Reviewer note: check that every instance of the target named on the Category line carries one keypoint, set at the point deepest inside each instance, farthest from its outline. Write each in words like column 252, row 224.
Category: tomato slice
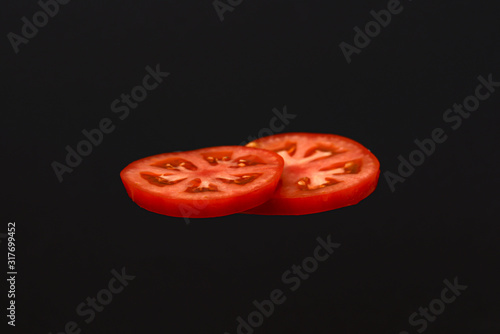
column 322, row 172
column 208, row 182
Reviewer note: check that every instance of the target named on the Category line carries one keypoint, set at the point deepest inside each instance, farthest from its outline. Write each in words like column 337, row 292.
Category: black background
column 225, row 79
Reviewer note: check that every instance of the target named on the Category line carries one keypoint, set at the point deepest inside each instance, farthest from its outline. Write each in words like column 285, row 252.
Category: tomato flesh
column 322, row 172
column 208, row 182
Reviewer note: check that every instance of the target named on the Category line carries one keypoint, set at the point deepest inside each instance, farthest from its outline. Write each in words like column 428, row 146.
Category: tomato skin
column 309, row 205
column 200, row 205
column 284, row 203
column 200, row 209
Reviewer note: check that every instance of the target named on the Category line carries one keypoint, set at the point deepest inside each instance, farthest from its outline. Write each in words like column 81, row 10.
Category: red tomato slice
column 322, row 172
column 208, row 182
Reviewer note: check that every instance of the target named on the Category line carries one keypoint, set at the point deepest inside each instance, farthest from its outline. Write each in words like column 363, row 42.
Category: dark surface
column 225, row 79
